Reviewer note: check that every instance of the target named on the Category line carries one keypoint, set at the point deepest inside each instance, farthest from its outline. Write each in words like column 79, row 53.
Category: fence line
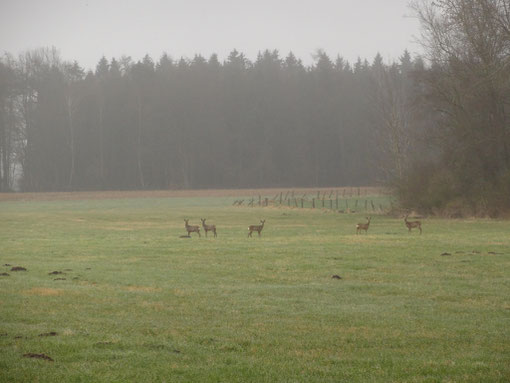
column 342, row 200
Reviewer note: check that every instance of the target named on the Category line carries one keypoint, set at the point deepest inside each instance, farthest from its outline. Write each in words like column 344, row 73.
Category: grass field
column 140, row 304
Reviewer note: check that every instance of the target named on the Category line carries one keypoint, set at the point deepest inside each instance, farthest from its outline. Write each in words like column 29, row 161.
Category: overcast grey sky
column 85, row 30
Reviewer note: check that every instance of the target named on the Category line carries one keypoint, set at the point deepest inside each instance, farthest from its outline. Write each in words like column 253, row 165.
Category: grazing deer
column 412, row 224
column 191, row 229
column 363, row 226
column 208, row 227
column 257, row 228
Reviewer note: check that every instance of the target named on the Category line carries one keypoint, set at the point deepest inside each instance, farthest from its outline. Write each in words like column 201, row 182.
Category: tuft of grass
column 138, row 303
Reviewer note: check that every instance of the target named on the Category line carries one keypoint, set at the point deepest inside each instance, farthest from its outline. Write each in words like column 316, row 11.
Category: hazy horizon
column 86, row 30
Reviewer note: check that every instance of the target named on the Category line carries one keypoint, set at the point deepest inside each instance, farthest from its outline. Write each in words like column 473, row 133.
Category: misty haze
column 237, row 191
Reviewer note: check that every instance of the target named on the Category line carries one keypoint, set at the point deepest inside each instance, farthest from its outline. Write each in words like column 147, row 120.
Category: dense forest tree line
column 197, row 123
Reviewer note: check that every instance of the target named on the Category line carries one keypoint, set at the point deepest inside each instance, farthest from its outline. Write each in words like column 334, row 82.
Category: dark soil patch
column 5, row 274
column 55, row 273
column 185, row 236
column 75, row 278
column 59, row 279
column 336, row 277
column 18, row 337
column 38, row 356
column 68, row 269
column 6, row 264
column 3, row 334
column 475, row 252
column 445, row 254
column 18, row 268
column 51, row 333
column 88, row 268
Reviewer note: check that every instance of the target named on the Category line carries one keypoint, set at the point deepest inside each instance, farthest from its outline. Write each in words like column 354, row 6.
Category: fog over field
column 254, row 191
column 227, row 94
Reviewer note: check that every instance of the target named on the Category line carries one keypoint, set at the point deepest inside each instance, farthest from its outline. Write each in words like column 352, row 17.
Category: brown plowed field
column 55, row 196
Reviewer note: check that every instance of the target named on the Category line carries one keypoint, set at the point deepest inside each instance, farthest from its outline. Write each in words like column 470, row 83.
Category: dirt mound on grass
column 51, row 333
column 38, row 356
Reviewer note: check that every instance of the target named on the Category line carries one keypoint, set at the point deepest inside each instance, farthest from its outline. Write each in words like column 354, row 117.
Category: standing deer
column 208, row 227
column 363, row 226
column 412, row 224
column 191, row 229
column 257, row 228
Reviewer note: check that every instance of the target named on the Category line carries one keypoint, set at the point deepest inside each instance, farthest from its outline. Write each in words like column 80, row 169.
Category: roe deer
column 191, row 229
column 208, row 227
column 412, row 224
column 363, row 226
column 257, row 228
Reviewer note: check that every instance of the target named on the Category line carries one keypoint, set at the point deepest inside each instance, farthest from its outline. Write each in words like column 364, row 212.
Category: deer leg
column 215, row 235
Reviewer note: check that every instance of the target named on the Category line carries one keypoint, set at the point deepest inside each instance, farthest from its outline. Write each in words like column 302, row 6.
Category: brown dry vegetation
column 58, row 196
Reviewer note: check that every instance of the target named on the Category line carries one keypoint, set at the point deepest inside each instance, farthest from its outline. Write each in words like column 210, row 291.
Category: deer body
column 257, row 228
column 363, row 226
column 412, row 224
column 191, row 229
column 208, row 228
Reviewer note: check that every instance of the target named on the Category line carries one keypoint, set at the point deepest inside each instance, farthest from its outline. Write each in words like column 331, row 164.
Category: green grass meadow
column 140, row 304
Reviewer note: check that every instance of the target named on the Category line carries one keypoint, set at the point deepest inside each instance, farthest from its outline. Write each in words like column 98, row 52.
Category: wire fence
column 342, row 200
